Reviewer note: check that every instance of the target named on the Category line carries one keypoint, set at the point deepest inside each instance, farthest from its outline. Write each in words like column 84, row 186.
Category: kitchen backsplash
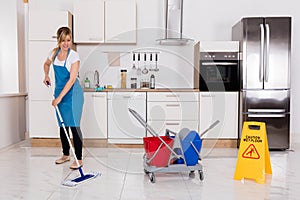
column 175, row 65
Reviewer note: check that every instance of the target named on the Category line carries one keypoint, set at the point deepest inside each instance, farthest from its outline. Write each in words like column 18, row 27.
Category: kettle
column 96, row 79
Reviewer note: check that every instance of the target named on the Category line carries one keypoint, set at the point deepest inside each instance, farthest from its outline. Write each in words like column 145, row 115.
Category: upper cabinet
column 89, row 21
column 109, row 21
column 120, row 21
column 53, row 21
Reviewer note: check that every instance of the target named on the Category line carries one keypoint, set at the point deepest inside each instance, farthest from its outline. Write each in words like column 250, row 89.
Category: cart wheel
column 192, row 174
column 201, row 175
column 146, row 172
column 152, row 177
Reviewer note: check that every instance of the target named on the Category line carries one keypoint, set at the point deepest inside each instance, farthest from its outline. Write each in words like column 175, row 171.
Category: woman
column 68, row 92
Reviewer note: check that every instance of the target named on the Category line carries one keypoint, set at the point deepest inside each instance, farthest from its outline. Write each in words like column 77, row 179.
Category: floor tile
column 30, row 173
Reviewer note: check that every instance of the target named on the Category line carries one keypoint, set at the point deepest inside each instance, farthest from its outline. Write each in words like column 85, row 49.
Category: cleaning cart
column 173, row 152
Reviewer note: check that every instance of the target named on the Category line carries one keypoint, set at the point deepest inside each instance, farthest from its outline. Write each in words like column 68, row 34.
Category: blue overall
column 71, row 104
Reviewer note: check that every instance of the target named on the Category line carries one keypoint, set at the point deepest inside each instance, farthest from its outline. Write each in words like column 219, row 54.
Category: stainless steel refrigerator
column 265, row 51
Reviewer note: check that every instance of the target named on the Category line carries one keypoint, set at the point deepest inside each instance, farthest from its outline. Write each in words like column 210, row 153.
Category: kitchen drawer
column 173, row 96
column 126, row 95
column 160, row 126
column 184, row 111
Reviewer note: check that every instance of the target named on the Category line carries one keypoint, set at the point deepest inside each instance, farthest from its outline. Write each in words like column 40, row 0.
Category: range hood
column 173, row 24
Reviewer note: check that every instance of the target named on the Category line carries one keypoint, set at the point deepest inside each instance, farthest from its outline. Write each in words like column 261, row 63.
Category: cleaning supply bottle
column 152, row 81
column 87, row 83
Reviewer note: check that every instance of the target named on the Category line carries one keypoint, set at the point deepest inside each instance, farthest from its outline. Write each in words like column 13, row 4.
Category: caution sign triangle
column 251, row 152
column 253, row 158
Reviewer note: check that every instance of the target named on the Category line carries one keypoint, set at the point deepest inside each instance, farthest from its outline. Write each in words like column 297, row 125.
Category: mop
column 83, row 177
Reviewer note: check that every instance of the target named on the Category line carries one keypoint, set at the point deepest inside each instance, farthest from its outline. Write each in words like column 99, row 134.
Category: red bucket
column 151, row 145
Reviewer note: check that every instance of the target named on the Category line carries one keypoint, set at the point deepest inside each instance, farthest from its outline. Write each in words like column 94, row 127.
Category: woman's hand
column 56, row 101
column 47, row 81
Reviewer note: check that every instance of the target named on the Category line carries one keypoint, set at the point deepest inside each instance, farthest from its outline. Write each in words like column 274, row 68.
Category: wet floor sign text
column 253, row 157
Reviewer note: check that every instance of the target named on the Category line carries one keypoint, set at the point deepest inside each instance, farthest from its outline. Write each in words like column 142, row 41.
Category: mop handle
column 66, row 133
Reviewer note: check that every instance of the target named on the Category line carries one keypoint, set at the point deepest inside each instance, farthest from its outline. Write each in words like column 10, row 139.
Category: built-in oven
column 219, row 71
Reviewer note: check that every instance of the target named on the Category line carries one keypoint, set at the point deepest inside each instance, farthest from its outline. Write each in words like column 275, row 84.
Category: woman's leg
column 77, row 139
column 64, row 141
column 65, row 146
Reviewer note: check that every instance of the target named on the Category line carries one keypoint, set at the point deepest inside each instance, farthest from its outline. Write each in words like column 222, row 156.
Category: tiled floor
column 30, row 173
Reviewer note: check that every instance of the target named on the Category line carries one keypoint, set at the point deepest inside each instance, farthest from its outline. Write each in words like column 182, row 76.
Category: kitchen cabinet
column 174, row 111
column 120, row 21
column 122, row 126
column 94, row 115
column 38, row 51
column 42, row 119
column 222, row 106
column 89, row 21
column 42, row 39
column 44, row 24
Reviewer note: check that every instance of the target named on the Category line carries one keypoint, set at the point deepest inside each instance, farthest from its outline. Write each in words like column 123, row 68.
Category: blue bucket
column 190, row 154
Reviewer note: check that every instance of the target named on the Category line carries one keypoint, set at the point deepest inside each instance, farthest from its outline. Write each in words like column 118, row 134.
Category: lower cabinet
column 173, row 111
column 42, row 119
column 123, row 127
column 94, row 115
column 160, row 126
column 222, row 106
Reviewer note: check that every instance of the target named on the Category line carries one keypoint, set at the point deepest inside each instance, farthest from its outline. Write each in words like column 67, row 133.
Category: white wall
column 9, row 47
column 203, row 20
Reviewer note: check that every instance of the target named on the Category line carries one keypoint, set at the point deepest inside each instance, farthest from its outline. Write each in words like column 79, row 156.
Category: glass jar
column 144, row 83
column 123, row 78
column 133, row 83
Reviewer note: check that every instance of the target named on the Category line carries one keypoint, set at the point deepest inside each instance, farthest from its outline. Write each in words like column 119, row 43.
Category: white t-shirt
column 72, row 58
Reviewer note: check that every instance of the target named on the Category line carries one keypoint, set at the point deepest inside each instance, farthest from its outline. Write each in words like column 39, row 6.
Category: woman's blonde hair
column 61, row 35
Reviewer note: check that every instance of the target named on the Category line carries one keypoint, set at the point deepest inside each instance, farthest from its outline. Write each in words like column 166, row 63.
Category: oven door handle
column 267, row 115
column 219, row 63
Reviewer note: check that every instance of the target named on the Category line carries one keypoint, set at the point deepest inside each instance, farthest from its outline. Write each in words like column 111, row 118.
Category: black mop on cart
column 172, row 152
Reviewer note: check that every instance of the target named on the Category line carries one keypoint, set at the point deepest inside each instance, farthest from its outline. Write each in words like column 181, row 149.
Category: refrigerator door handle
column 266, row 115
column 266, row 75
column 261, row 55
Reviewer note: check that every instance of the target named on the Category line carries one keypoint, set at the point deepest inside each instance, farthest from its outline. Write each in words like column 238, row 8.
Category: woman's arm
column 73, row 75
column 47, row 80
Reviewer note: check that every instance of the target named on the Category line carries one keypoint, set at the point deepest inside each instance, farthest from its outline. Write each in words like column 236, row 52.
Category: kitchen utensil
column 145, row 70
column 133, row 59
column 156, row 59
column 150, row 68
column 138, row 70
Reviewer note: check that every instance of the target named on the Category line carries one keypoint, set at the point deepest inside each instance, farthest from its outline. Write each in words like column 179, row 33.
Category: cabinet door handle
column 172, row 105
column 172, row 123
column 207, row 95
column 95, row 39
column 53, row 37
column 94, row 95
column 126, row 97
column 172, row 95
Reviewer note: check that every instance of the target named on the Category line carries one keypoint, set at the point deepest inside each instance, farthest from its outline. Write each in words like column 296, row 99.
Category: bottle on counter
column 152, row 81
column 96, row 79
column 123, row 78
column 87, row 83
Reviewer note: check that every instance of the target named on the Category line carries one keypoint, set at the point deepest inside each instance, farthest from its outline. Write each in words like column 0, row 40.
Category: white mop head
column 80, row 179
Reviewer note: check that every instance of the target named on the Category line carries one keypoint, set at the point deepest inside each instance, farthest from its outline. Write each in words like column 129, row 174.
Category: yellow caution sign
column 253, row 156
